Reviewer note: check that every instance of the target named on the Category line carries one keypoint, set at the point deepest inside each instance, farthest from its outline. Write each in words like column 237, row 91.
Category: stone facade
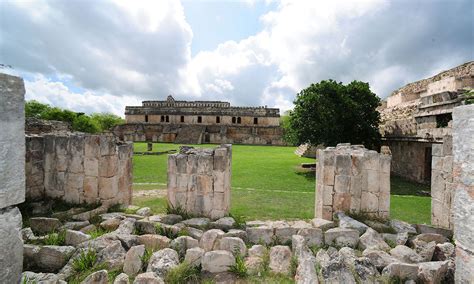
column 12, row 176
column 463, row 204
column 419, row 115
column 78, row 168
column 200, row 122
column 199, row 181
column 352, row 179
column 442, row 186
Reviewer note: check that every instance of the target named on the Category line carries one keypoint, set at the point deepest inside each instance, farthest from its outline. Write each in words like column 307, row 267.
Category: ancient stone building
column 418, row 115
column 200, row 122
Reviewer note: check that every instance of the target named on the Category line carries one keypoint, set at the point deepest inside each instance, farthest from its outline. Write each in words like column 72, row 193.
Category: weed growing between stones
column 183, row 273
column 391, row 243
column 239, row 268
column 85, row 260
column 55, row 239
column 239, row 221
column 146, row 258
column 178, row 210
column 98, row 232
column 293, row 265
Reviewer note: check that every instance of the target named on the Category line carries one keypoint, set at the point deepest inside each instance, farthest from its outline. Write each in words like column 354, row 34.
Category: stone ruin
column 419, row 253
column 442, row 185
column 352, row 179
column 79, row 168
column 199, row 181
column 12, row 176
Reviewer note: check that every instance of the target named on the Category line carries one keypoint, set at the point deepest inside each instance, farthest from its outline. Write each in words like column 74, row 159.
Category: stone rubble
column 318, row 251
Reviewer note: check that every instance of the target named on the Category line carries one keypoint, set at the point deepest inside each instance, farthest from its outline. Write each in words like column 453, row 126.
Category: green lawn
column 267, row 183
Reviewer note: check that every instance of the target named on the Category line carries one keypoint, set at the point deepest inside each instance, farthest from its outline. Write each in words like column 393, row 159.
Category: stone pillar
column 149, row 146
column 199, row 181
column 442, row 186
column 463, row 203
column 352, row 179
column 12, row 176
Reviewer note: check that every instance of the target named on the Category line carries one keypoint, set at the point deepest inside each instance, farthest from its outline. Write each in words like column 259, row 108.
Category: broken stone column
column 12, row 176
column 442, row 186
column 352, row 179
column 149, row 146
column 463, row 203
column 199, row 181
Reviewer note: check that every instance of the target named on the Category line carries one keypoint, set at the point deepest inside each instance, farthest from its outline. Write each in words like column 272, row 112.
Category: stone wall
column 352, row 179
column 78, row 168
column 442, row 186
column 410, row 159
column 463, row 204
column 197, row 134
column 12, row 176
column 199, row 181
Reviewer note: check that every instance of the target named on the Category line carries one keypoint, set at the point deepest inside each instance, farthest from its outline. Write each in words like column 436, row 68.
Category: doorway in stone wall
column 427, row 171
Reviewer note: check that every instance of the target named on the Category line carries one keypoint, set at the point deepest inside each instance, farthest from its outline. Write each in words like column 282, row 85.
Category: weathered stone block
column 108, row 166
column 91, row 167
column 11, row 244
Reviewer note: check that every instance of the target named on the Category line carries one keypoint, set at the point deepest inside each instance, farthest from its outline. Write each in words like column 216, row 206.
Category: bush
column 239, row 268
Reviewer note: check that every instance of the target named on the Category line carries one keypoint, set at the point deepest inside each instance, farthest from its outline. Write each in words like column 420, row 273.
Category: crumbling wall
column 78, row 168
column 12, row 176
column 442, row 186
column 352, row 179
column 463, row 203
column 199, row 181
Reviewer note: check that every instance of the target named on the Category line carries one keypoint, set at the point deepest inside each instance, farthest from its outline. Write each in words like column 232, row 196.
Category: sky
column 99, row 56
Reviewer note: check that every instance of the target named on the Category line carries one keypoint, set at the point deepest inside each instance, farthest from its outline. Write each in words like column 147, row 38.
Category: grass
column 267, row 183
column 183, row 273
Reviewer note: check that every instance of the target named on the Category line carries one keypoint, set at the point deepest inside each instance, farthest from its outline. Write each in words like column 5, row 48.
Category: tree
column 107, row 120
column 35, row 109
column 85, row 123
column 330, row 113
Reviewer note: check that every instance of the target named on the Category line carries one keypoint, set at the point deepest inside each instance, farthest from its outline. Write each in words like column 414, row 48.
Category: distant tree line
column 94, row 123
column 330, row 112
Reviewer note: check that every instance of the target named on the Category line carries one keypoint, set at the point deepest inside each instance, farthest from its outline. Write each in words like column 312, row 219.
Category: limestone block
column 108, row 166
column 373, row 181
column 107, row 145
column 342, row 201
column 108, row 187
column 448, row 164
column 327, row 195
column 91, row 166
column 437, row 150
column 280, row 259
column 372, row 161
column 217, row 261
column 181, row 163
column 91, row 189
column 191, row 164
column 342, row 184
column 172, row 168
column 11, row 243
column 369, row 202
column 437, row 163
column 385, row 162
column 91, row 146
column 205, row 164
column 343, row 164
column 73, row 191
column 341, row 237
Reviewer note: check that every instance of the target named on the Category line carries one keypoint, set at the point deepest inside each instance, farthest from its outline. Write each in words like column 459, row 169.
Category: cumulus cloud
column 387, row 44
column 120, row 52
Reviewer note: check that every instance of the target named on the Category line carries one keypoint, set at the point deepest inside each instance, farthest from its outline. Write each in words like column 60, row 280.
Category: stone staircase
column 306, row 150
column 190, row 135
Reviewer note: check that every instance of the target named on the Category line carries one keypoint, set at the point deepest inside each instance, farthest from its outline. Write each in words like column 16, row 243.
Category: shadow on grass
column 307, row 174
column 401, row 186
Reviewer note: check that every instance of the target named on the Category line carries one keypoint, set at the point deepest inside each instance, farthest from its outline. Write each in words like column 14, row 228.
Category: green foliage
column 330, row 113
column 95, row 123
column 85, row 260
column 183, row 273
column 146, row 258
column 107, row 120
column 239, row 221
column 98, row 232
column 391, row 243
column 293, row 265
column 55, row 239
column 178, row 210
column 169, row 232
column 239, row 268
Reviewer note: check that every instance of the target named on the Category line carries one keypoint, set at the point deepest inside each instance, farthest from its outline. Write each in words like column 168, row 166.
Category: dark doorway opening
column 427, row 173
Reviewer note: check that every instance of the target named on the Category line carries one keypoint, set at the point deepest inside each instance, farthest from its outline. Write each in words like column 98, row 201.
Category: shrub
column 85, row 260
column 178, row 210
column 146, row 258
column 97, row 233
column 293, row 266
column 183, row 273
